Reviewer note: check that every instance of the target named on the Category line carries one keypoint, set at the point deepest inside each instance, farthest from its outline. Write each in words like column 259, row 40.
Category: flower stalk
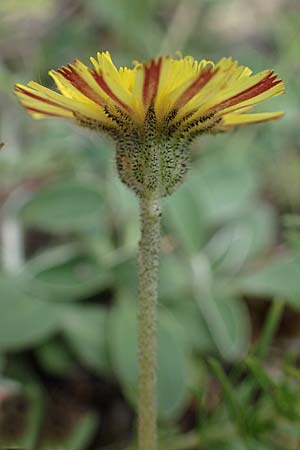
column 149, row 250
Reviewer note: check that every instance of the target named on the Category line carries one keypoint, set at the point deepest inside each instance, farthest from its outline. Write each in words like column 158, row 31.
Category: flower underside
column 154, row 110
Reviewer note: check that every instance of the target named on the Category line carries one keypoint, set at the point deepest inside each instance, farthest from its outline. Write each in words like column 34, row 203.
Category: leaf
column 55, row 358
column 228, row 323
column 83, row 433
column 281, row 395
column 172, row 360
column 36, row 414
column 280, row 278
column 175, row 278
column 85, row 328
column 193, row 326
column 64, row 206
column 73, row 279
column 242, row 239
column 172, row 370
column 223, row 191
column 233, row 405
column 292, row 220
column 125, row 275
column 225, row 317
column 25, row 319
column 185, row 218
column 123, row 347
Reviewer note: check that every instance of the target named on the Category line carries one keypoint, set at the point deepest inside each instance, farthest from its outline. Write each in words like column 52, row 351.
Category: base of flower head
column 154, row 159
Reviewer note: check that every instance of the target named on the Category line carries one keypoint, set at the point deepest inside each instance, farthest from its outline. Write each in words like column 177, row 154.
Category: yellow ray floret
column 177, row 89
column 232, row 120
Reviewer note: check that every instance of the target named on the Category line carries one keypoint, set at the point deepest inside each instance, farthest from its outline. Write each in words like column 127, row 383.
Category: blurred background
column 229, row 337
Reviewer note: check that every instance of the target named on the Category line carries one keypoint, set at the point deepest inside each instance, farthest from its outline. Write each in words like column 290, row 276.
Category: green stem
column 147, row 317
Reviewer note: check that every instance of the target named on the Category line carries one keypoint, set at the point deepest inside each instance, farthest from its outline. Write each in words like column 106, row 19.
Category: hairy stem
column 147, row 317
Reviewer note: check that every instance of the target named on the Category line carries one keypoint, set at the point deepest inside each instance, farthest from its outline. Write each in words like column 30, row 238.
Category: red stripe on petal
column 203, row 78
column 151, row 81
column 253, row 91
column 37, row 97
column 39, row 111
column 70, row 74
column 98, row 77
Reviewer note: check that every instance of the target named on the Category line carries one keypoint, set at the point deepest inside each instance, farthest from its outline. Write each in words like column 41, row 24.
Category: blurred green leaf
column 55, row 358
column 175, row 278
column 292, row 220
column 243, row 239
column 125, row 276
column 25, row 319
column 281, row 395
column 83, row 433
column 73, row 279
column 85, row 328
column 173, row 369
column 223, row 192
column 123, row 346
column 2, row 362
column 186, row 219
column 269, row 329
column 64, row 206
column 35, row 417
column 280, row 278
column 234, row 408
column 225, row 317
column 172, row 360
column 194, row 328
column 228, row 323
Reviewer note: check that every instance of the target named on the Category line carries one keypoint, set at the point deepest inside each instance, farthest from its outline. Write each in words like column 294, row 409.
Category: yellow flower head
column 164, row 104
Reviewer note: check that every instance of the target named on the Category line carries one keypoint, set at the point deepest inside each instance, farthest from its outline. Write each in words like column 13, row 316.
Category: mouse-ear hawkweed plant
column 153, row 112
